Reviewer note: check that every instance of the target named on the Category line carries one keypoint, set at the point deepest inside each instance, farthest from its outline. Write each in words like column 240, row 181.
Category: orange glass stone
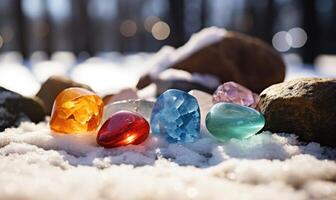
column 76, row 110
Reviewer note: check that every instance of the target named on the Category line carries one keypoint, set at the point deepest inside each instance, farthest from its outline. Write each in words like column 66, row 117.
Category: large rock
column 15, row 108
column 52, row 87
column 306, row 107
column 236, row 57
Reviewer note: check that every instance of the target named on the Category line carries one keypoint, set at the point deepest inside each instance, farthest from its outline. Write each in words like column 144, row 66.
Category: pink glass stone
column 232, row 92
column 123, row 128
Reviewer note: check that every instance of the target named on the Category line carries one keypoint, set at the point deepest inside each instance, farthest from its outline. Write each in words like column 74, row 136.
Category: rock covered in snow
column 228, row 55
column 304, row 106
column 15, row 109
column 52, row 87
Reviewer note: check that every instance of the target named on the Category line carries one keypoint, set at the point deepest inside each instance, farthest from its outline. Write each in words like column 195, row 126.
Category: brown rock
column 144, row 81
column 237, row 57
column 15, row 108
column 305, row 106
column 52, row 87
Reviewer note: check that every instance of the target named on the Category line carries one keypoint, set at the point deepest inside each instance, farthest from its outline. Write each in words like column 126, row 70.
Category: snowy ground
column 37, row 164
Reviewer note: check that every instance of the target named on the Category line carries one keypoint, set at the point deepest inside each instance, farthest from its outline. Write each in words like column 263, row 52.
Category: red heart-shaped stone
column 123, row 128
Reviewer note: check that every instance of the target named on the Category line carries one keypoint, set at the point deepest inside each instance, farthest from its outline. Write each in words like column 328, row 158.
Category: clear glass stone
column 140, row 106
column 204, row 101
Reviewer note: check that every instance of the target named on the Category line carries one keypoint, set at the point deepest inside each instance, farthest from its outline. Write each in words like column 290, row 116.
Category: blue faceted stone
column 176, row 116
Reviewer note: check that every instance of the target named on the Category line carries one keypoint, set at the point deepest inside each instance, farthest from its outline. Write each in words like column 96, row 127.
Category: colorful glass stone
column 228, row 120
column 140, row 106
column 204, row 101
column 122, row 95
column 176, row 116
column 76, row 110
column 123, row 128
column 231, row 92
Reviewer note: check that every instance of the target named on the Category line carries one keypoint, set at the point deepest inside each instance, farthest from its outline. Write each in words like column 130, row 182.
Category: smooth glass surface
column 227, row 120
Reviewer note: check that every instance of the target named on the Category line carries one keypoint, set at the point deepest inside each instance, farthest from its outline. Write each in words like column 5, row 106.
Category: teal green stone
column 227, row 120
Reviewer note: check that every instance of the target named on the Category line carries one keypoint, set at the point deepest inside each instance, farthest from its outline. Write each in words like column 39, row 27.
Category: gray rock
column 15, row 109
column 305, row 106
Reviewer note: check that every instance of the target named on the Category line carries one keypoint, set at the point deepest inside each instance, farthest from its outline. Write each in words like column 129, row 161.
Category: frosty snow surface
column 36, row 164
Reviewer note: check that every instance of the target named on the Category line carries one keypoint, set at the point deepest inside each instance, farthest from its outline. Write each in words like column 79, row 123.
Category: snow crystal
column 38, row 164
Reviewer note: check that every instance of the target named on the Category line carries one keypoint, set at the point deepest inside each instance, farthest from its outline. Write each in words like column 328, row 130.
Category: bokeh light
column 299, row 37
column 282, row 41
column 128, row 28
column 33, row 8
column 149, row 22
column 38, row 56
column 161, row 30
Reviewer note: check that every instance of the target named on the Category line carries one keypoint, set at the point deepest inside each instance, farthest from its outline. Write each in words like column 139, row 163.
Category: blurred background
column 91, row 26
column 73, row 31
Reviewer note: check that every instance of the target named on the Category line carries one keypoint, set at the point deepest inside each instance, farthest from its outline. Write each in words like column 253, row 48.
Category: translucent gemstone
column 228, row 120
column 176, row 116
column 76, row 110
column 204, row 101
column 143, row 107
column 232, row 92
column 123, row 128
column 124, row 94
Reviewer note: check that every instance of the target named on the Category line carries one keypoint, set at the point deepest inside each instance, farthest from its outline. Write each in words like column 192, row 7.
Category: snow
column 11, row 57
column 109, row 76
column 18, row 78
column 38, row 164
column 44, row 69
column 168, row 55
